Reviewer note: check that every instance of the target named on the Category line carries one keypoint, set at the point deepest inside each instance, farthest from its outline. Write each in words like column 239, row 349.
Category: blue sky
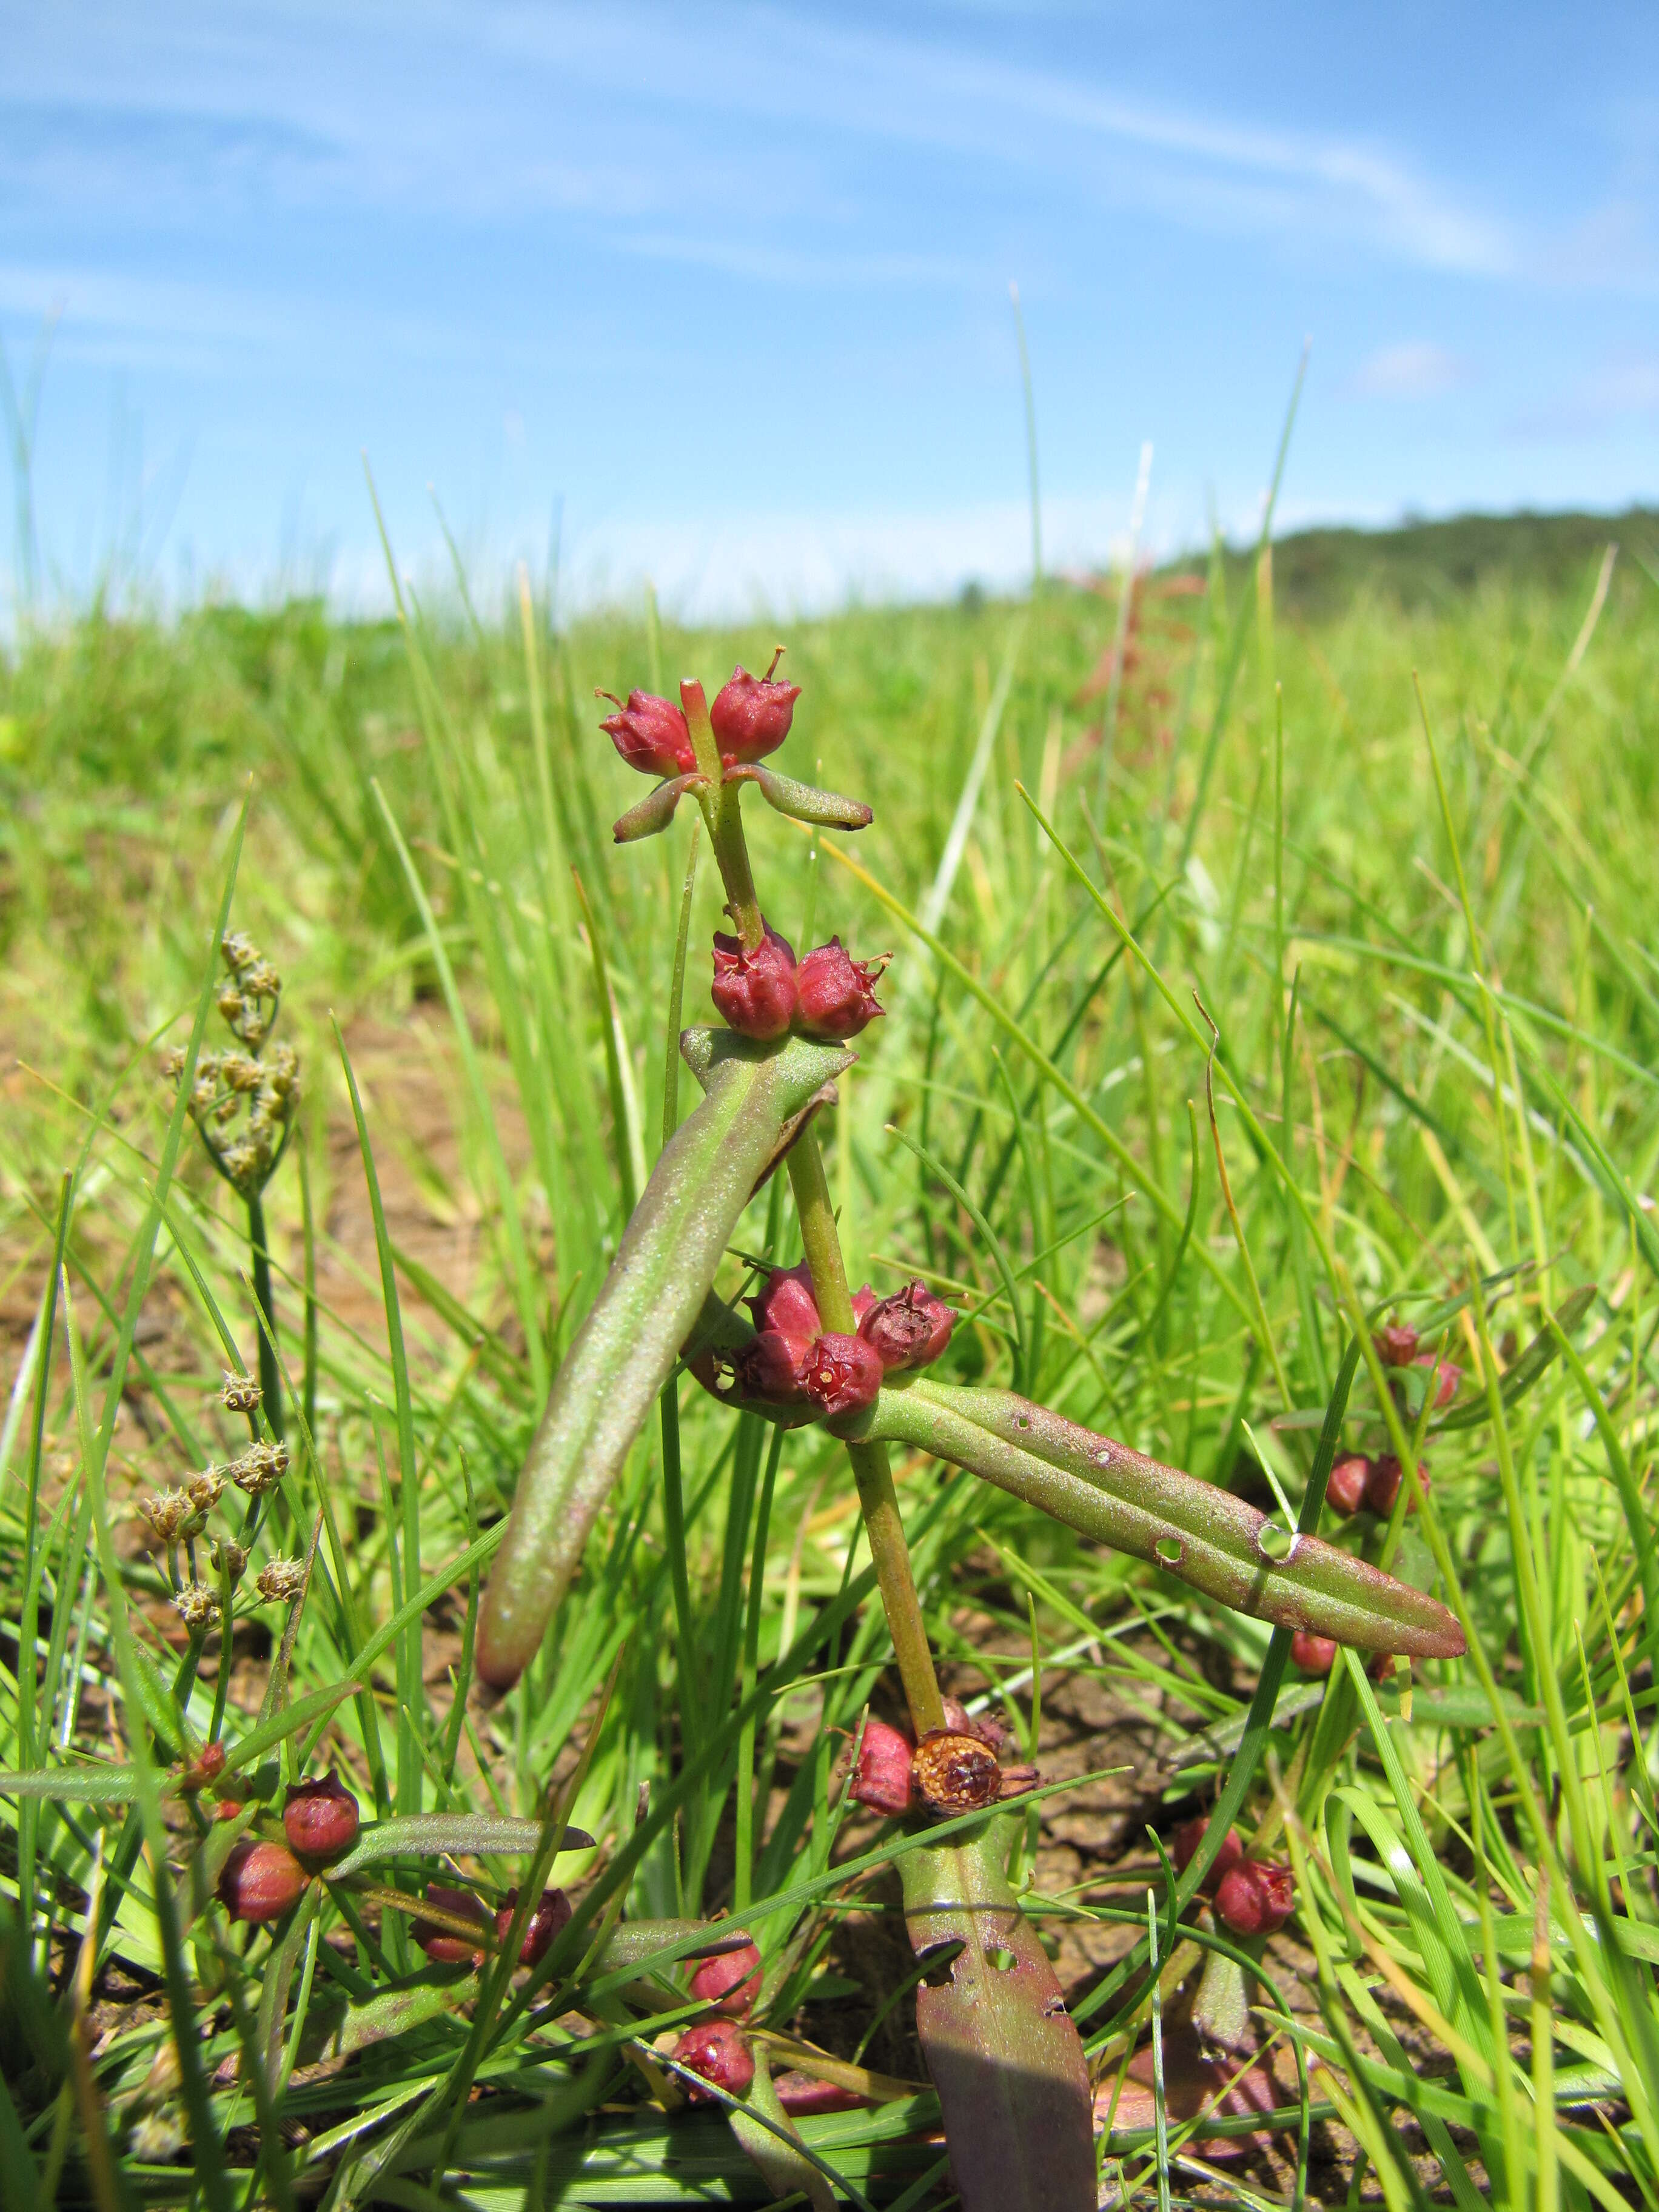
column 731, row 284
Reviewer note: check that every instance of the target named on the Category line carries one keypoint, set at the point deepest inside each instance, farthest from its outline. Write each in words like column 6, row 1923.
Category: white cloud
column 1416, row 368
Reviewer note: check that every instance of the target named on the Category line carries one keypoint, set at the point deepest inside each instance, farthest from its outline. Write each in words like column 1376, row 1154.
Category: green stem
column 889, row 1553
column 721, row 812
column 270, row 1381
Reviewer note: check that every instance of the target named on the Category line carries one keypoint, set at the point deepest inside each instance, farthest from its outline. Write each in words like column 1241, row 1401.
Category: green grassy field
column 1426, row 937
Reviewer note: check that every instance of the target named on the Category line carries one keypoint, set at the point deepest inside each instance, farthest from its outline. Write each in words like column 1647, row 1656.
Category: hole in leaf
column 1278, row 1543
column 1168, row 1550
column 938, row 1963
column 1001, row 1958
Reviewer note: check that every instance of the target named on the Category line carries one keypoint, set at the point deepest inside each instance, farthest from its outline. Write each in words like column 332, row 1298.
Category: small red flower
column 730, row 1983
column 1313, row 1654
column 1382, row 1486
column 751, row 715
column 832, row 992
column 650, row 734
column 843, row 1374
column 909, row 1330
column 754, row 991
column 1448, row 1377
column 320, row 1820
column 774, row 1368
column 1186, row 1840
column 718, row 2050
column 1346, row 1490
column 1254, row 1899
column 260, row 1881
column 882, row 1778
column 552, row 1913
column 1396, row 1344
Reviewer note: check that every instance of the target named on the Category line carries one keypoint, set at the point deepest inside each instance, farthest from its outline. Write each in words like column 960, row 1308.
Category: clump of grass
column 1421, row 931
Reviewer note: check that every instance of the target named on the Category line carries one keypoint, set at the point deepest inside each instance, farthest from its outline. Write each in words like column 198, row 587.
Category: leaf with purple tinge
column 1003, row 2051
column 1203, row 1534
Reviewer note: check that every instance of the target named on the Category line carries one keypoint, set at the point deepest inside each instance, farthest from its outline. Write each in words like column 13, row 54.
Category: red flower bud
column 718, row 2050
column 863, row 1300
column 754, row 991
column 1382, row 1486
column 1396, row 1344
column 843, row 1374
column 1448, row 1377
column 730, row 1983
column 1346, row 1490
column 1187, row 1840
column 881, row 1778
column 785, row 1301
column 1254, row 1899
column 833, row 992
column 320, row 1820
column 443, row 1944
column 1313, row 1654
column 552, row 1913
column 260, row 1881
column 909, row 1330
column 751, row 716
column 1382, row 1666
column 650, row 734
column 208, row 1766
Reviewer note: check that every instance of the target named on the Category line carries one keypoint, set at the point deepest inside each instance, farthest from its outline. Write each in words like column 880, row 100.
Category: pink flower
column 774, row 1368
column 754, row 991
column 833, row 998
column 718, row 2050
column 1254, row 1899
column 843, row 1374
column 751, row 715
column 730, row 1983
column 650, row 734
column 882, row 1778
column 909, row 1330
column 785, row 1301
column 1396, row 1344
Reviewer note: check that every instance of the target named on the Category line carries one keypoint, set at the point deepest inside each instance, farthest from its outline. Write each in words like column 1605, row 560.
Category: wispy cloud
column 1416, row 368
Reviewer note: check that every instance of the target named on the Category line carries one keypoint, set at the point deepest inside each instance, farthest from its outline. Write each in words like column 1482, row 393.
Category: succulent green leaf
column 423, row 1835
column 1003, row 2051
column 1204, row 1535
column 654, row 811
column 803, row 802
column 758, row 1096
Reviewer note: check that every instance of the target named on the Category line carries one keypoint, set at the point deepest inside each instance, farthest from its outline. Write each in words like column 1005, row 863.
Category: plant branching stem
column 271, row 1381
column 721, row 806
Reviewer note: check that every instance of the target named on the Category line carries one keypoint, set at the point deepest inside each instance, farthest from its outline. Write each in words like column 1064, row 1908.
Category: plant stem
column 721, row 812
column 271, row 1381
column 889, row 1553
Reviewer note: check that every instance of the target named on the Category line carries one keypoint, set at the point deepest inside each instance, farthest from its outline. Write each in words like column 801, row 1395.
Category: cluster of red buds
column 751, row 716
column 262, row 1878
column 1374, row 1484
column 959, row 1768
column 793, row 1361
column 481, row 1931
column 1250, row 1897
column 1398, row 1345
column 766, row 993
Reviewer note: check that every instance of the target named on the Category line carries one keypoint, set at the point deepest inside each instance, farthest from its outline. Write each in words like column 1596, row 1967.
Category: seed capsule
column 1255, row 1899
column 785, row 1302
column 754, row 991
column 1345, row 1492
column 718, row 2050
column 751, row 715
column 1187, row 1840
column 1382, row 1486
column 774, row 1368
column 1396, row 1344
column 909, row 1330
column 320, row 1820
column 730, row 1983
column 955, row 1773
column 882, row 1778
column 552, row 1915
column 1313, row 1654
column 447, row 1945
column 650, row 734
column 833, row 994
column 843, row 1374
column 261, row 1881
